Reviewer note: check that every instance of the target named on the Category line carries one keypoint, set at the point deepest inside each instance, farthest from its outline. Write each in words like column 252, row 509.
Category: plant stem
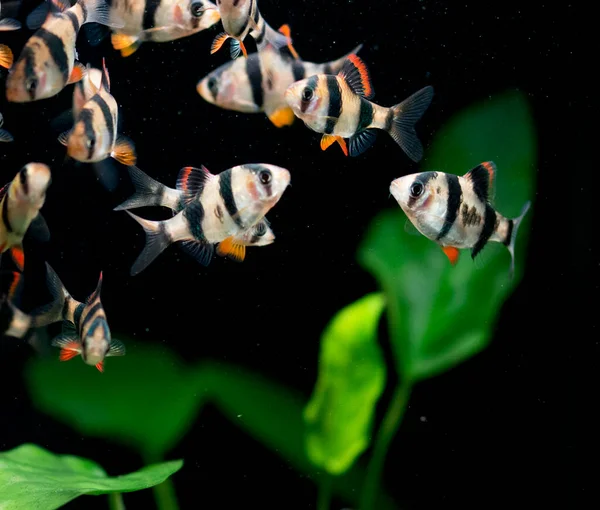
column 385, row 434
column 324, row 494
column 115, row 501
column 164, row 493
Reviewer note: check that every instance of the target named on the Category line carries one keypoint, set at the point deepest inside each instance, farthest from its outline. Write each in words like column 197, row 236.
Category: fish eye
column 307, row 94
column 416, row 189
column 90, row 143
column 212, row 85
column 197, row 9
column 261, row 229
column 265, row 177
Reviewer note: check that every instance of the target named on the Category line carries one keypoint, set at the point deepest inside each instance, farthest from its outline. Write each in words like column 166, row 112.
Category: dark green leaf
column 352, row 376
column 147, row 399
column 31, row 477
column 440, row 315
column 273, row 415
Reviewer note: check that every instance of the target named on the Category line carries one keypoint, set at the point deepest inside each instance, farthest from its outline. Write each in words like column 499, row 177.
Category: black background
column 504, row 427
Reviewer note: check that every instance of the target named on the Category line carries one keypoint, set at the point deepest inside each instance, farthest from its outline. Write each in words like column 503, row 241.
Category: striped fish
column 93, row 137
column 339, row 107
column 48, row 61
column 20, row 203
column 84, row 90
column 8, row 24
column 149, row 192
column 85, row 329
column 242, row 17
column 216, row 207
column 258, row 83
column 5, row 136
column 154, row 21
column 13, row 322
column 456, row 211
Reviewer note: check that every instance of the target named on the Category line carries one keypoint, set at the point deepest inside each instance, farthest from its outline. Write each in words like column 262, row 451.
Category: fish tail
column 98, row 11
column 404, row 117
column 157, row 239
column 513, row 236
column 148, row 192
column 53, row 311
column 9, row 24
column 20, row 323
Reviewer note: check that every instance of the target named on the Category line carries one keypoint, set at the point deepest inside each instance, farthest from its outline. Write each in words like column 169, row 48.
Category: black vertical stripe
column 298, row 70
column 365, row 116
column 23, row 180
column 226, row 193
column 244, row 27
column 254, row 73
column 84, row 10
column 57, row 51
column 194, row 215
column 76, row 314
column 453, row 205
column 73, row 19
column 5, row 218
column 150, row 13
column 87, row 117
column 29, row 58
column 489, row 222
column 261, row 35
column 89, row 317
column 511, row 225
column 256, row 11
column 108, row 119
column 335, row 103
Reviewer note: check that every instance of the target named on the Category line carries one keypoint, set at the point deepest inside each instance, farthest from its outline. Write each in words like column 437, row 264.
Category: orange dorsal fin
column 18, row 256
column 218, row 42
column 452, row 253
column 231, row 248
column 6, row 56
column 14, row 285
column 124, row 151
column 285, row 30
column 77, row 74
column 354, row 72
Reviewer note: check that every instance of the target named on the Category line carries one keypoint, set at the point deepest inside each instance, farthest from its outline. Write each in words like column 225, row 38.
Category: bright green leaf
column 440, row 315
column 31, row 477
column 273, row 415
column 352, row 375
column 146, row 399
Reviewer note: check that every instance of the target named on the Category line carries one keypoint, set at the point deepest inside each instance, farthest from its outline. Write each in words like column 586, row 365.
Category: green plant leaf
column 272, row 414
column 31, row 477
column 440, row 315
column 352, row 374
column 146, row 399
